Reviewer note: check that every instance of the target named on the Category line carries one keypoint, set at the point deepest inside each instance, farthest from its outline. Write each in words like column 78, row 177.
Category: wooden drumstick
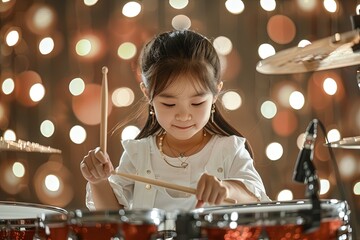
column 104, row 110
column 164, row 184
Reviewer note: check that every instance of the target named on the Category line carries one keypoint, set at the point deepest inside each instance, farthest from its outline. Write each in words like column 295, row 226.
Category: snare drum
column 272, row 220
column 94, row 225
column 19, row 221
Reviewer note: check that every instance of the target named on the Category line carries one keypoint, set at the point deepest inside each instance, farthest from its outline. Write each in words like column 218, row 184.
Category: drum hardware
column 346, row 143
column 305, row 172
column 25, row 146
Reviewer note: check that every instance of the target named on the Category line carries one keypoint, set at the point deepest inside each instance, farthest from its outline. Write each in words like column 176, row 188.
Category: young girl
column 185, row 140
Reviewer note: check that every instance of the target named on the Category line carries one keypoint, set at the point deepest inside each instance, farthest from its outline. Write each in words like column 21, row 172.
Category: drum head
column 17, row 210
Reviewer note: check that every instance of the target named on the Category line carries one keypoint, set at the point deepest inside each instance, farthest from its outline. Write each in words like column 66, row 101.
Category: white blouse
column 223, row 157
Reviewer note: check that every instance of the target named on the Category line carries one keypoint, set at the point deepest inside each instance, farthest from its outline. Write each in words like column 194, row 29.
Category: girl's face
column 183, row 110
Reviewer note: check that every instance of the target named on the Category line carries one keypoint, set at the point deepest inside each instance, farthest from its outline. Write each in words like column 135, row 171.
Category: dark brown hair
column 171, row 54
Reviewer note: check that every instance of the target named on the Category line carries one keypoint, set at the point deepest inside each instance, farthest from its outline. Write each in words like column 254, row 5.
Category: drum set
column 254, row 221
column 266, row 220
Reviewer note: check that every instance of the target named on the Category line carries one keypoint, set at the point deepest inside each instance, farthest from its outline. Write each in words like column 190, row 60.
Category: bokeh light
column 268, row 109
column 235, row 6
column 127, row 50
column 281, row 29
column 178, row 4
column 123, row 97
column 268, row 5
column 8, row 86
column 46, row 45
column 296, row 100
column 285, row 195
column 129, row 132
column 37, row 92
column 76, row 86
column 87, row 106
column 77, row 134
column 266, row 50
column 12, row 37
column 181, row 22
column 274, row 151
column 324, row 186
column 47, row 128
column 9, row 135
column 231, row 100
column 330, row 86
column 131, row 9
column 223, row 45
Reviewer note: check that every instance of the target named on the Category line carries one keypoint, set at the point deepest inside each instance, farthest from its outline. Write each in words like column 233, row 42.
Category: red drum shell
column 94, row 225
column 275, row 220
column 20, row 221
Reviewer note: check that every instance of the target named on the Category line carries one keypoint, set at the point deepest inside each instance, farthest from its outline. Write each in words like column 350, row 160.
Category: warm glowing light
column 9, row 135
column 274, row 151
column 333, row 135
column 296, row 100
column 90, row 2
column 324, row 186
column 46, row 45
column 266, row 50
column 130, row 132
column 37, row 92
column 268, row 109
column 356, row 188
column 76, row 86
column 307, row 5
column 12, row 38
column 131, row 9
column 268, row 5
column 223, row 45
column 77, row 134
column 18, row 169
column 83, row 47
column 348, row 166
column 43, row 17
column 330, row 5
column 330, row 86
column 235, row 6
column 47, row 128
column 300, row 140
column 231, row 100
column 285, row 195
column 304, row 43
column 52, row 183
column 126, row 50
column 181, row 22
column 8, row 86
column 178, row 4
column 123, row 97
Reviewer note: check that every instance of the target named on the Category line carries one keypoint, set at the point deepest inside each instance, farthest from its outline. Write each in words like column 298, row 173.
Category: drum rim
column 133, row 216
column 27, row 221
column 209, row 218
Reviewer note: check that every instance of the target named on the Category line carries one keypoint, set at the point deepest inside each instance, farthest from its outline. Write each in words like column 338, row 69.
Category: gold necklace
column 183, row 164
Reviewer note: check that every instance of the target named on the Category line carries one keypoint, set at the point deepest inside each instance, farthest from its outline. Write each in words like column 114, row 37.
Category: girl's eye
column 197, row 104
column 168, row 105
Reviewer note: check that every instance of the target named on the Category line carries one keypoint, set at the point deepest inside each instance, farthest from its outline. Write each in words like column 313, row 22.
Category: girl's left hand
column 210, row 189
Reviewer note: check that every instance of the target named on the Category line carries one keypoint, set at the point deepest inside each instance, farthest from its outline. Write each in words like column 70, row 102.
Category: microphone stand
column 312, row 190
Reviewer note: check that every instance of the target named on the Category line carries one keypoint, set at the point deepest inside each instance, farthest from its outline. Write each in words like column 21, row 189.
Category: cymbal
column 25, row 146
column 328, row 53
column 348, row 143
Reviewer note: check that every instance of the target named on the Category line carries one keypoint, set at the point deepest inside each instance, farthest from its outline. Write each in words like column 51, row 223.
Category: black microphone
column 307, row 152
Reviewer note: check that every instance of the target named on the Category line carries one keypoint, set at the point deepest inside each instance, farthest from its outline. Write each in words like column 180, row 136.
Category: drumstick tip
column 104, row 70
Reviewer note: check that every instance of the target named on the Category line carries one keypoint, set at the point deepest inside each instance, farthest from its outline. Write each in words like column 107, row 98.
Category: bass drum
column 270, row 220
column 20, row 221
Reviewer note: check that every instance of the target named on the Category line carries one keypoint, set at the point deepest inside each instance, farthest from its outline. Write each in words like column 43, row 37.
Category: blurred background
column 51, row 58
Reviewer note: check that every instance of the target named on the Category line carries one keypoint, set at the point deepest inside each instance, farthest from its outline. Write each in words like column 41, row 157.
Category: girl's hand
column 211, row 190
column 96, row 166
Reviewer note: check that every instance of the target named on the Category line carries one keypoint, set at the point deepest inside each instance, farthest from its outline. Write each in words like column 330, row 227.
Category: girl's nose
column 183, row 117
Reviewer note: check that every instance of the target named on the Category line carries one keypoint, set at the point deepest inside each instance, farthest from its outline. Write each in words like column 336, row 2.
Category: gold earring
column 212, row 112
column 152, row 113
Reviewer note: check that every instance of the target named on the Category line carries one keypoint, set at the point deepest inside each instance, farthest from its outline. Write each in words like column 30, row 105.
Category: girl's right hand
column 96, row 166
